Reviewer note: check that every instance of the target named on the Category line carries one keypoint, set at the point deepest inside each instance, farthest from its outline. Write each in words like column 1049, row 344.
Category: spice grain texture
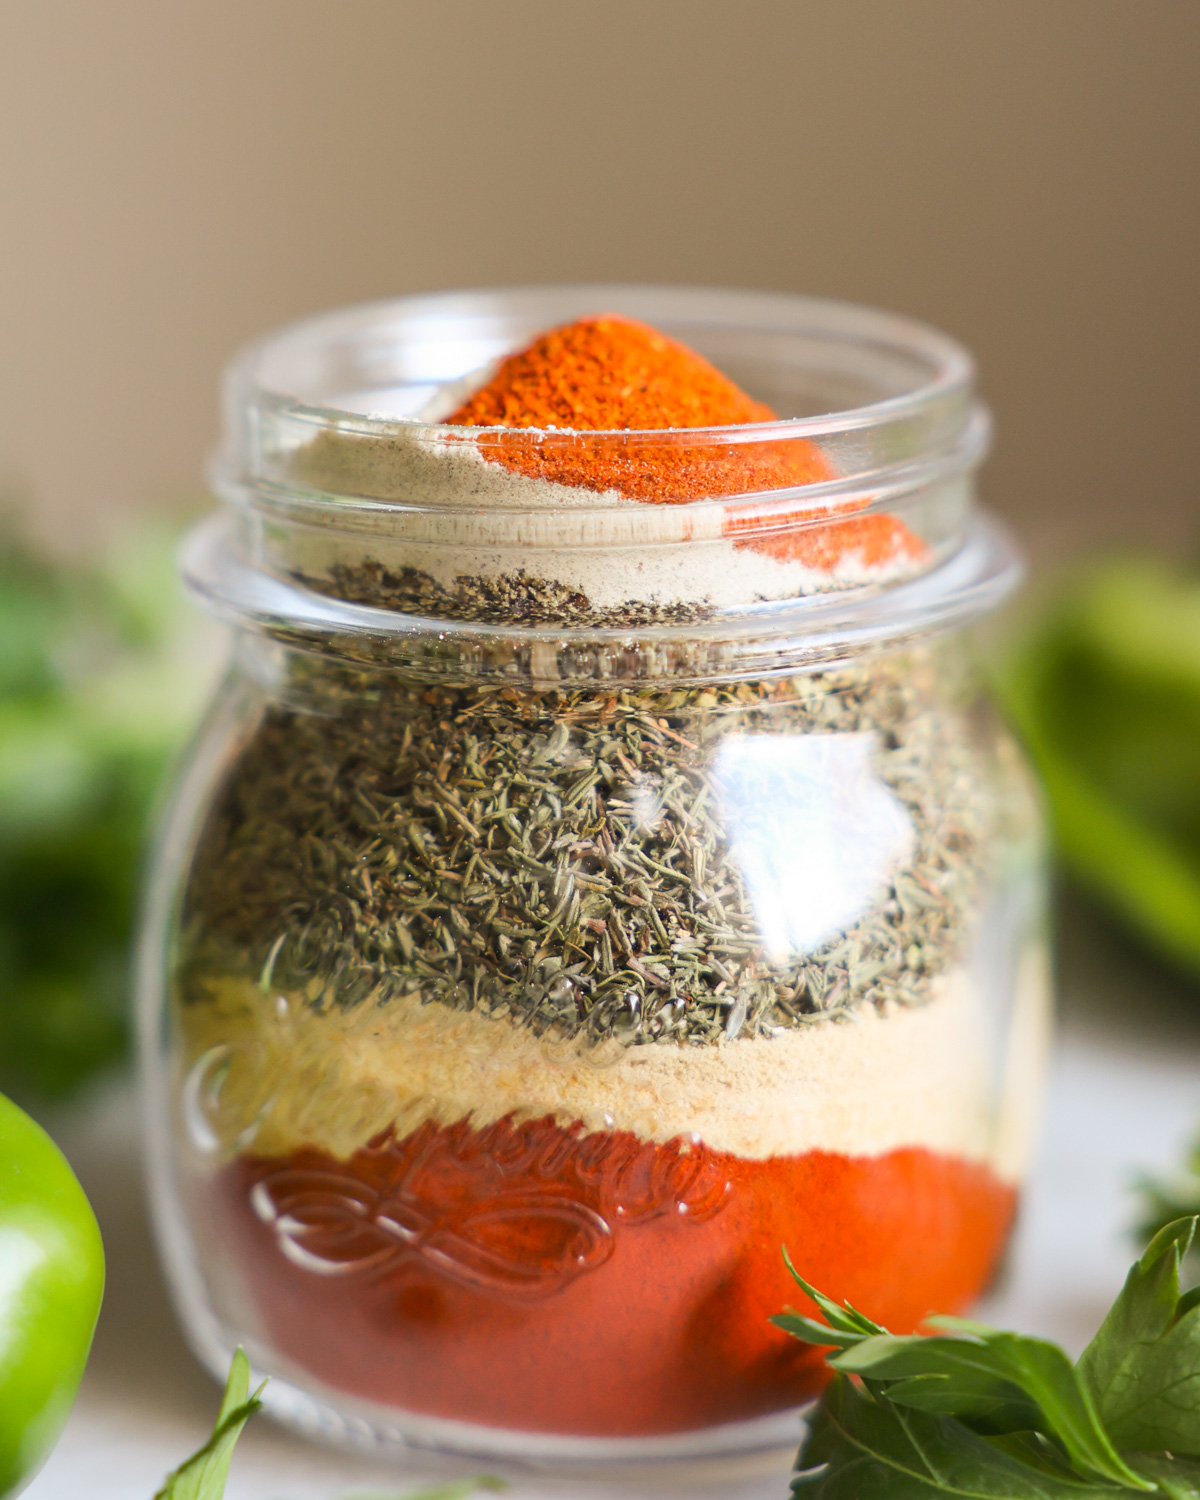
column 551, row 414
column 531, row 1001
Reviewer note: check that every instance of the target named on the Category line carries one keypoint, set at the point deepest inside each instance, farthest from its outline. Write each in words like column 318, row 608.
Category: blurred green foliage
column 1174, row 1196
column 101, row 673
column 1104, row 686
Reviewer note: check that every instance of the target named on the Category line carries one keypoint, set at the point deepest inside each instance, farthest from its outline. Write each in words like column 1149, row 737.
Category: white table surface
column 1125, row 1097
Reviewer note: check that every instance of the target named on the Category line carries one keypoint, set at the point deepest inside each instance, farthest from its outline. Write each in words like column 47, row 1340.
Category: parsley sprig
column 974, row 1412
column 204, row 1475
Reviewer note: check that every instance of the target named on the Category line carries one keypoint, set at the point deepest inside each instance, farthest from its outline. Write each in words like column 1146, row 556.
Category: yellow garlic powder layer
column 273, row 1074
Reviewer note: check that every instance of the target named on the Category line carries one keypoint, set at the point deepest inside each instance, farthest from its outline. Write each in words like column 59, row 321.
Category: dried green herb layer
column 507, row 599
column 561, row 858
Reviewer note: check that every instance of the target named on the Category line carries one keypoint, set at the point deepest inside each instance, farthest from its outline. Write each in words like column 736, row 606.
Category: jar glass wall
column 566, row 907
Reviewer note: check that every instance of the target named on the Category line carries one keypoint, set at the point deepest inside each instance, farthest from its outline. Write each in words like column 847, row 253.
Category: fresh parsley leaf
column 203, row 1476
column 1007, row 1382
column 862, row 1447
column 846, row 1325
column 999, row 1382
column 1177, row 1478
column 1143, row 1366
column 981, row 1414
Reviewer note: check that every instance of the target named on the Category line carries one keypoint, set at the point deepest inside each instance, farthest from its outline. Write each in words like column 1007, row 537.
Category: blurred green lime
column 103, row 672
column 1104, row 685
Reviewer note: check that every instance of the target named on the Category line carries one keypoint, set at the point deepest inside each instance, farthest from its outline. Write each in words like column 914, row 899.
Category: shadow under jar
column 576, row 895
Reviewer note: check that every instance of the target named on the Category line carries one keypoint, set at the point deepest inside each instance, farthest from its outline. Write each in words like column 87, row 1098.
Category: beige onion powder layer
column 449, row 512
column 271, row 1074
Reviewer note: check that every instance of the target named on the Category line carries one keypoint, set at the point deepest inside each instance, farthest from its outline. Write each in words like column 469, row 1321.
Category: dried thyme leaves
column 516, row 598
column 560, row 858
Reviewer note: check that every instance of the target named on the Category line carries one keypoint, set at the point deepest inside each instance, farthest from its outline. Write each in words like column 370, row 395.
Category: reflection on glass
column 815, row 831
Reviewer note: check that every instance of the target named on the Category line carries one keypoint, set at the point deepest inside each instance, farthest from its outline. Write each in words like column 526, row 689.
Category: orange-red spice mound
column 542, row 1279
column 609, row 374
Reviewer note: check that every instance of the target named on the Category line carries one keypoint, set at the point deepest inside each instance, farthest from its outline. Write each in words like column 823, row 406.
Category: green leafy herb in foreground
column 972, row 1411
column 203, row 1476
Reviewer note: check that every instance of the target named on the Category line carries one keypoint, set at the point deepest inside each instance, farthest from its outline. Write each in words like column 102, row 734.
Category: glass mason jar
column 600, row 869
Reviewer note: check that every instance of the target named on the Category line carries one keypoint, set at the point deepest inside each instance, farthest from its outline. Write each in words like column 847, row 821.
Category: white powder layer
column 864, row 1084
column 472, row 517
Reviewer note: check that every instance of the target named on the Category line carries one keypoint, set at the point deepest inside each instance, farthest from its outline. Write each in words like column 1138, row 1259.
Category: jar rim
column 771, row 638
column 339, row 475
column 254, row 376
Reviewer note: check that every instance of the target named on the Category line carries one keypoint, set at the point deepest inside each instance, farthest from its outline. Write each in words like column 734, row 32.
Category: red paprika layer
column 608, row 373
column 536, row 1278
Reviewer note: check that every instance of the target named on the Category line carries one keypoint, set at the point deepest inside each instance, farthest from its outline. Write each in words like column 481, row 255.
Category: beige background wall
column 176, row 175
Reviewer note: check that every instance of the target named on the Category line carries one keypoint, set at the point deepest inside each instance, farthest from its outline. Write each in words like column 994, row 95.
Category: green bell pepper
column 51, row 1282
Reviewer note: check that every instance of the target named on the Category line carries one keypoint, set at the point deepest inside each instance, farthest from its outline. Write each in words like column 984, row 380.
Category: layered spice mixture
column 597, row 862
column 528, row 1023
column 616, row 547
